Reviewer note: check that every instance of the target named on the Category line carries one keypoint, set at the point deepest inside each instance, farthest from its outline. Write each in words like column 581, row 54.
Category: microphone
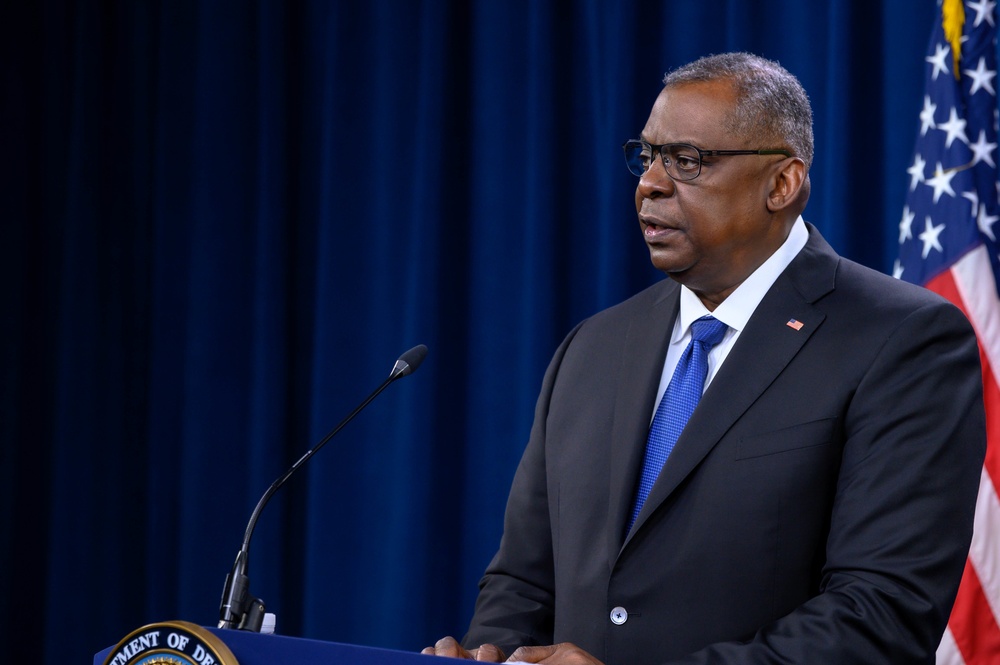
column 238, row 608
column 408, row 362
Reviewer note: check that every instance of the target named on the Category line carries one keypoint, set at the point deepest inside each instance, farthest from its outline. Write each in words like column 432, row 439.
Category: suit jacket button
column 619, row 616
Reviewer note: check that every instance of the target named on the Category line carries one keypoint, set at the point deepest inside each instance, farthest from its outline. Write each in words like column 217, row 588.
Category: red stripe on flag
column 972, row 624
column 944, row 285
column 991, row 397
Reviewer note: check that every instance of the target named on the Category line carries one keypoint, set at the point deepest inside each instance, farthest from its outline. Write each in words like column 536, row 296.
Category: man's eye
column 686, row 162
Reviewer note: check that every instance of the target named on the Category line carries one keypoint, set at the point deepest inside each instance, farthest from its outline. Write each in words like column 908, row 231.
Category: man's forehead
column 716, row 94
column 689, row 113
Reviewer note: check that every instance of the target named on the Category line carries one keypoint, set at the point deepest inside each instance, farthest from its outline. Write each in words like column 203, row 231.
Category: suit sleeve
column 903, row 510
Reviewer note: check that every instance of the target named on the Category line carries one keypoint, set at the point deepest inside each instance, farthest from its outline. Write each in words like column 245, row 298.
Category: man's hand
column 448, row 646
column 557, row 654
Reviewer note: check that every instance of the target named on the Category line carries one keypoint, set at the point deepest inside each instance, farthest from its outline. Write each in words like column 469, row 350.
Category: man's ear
column 790, row 185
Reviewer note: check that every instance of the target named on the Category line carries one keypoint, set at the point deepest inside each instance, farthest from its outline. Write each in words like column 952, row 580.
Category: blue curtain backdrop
column 221, row 222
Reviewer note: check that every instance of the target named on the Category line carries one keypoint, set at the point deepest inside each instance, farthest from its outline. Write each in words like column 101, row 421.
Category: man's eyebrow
column 690, row 142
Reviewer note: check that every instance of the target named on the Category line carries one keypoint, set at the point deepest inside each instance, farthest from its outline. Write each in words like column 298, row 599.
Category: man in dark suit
column 817, row 506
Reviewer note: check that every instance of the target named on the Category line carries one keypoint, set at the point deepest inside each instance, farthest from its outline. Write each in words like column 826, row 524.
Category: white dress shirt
column 734, row 311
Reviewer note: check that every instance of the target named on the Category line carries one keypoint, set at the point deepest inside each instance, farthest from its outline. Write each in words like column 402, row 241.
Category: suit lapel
column 645, row 347
column 764, row 348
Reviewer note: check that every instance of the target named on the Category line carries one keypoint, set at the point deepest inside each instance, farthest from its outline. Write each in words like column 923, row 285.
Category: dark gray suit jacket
column 818, row 507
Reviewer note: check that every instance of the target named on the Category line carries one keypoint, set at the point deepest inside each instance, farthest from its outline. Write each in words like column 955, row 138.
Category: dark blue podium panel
column 256, row 649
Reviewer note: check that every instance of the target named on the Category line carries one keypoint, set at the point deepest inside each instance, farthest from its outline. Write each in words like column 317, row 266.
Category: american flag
column 948, row 243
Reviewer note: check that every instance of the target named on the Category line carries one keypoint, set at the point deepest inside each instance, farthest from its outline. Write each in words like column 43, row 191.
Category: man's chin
column 669, row 264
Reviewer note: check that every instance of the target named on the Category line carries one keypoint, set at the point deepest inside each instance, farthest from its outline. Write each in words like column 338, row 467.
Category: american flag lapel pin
column 794, row 325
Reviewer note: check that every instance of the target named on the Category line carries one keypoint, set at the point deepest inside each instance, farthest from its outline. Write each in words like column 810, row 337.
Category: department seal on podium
column 171, row 643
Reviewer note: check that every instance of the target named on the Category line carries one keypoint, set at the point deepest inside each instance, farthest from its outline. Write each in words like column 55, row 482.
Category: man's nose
column 655, row 181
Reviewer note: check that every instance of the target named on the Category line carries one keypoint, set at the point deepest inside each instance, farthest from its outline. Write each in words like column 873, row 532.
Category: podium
column 256, row 649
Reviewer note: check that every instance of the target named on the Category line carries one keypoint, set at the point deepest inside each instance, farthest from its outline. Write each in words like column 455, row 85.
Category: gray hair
column 771, row 105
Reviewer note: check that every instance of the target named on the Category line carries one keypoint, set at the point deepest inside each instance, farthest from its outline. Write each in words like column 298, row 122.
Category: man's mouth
column 654, row 229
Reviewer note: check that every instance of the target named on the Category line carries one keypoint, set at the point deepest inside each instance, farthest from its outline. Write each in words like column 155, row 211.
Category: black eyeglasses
column 682, row 161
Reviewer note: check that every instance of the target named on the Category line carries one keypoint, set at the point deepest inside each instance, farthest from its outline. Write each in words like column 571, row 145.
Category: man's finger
column 490, row 653
column 447, row 646
column 531, row 654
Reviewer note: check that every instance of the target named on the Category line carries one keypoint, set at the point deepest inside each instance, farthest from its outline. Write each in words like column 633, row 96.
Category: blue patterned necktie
column 681, row 397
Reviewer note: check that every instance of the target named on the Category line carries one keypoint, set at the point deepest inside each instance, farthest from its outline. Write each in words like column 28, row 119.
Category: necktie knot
column 708, row 330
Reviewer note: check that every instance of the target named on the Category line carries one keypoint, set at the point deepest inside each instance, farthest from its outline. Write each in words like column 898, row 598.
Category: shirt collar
column 736, row 310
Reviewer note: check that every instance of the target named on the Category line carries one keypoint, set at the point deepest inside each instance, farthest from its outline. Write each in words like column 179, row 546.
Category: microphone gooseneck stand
column 241, row 610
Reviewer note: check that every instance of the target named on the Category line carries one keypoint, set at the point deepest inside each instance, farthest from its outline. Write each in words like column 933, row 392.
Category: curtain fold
column 223, row 221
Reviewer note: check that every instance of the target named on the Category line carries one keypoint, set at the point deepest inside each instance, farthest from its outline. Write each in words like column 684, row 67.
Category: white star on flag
column 906, row 225
column 927, row 115
column 981, row 78
column 984, row 11
column 938, row 60
column 916, row 171
column 941, row 182
column 985, row 222
column 955, row 128
column 930, row 236
column 982, row 150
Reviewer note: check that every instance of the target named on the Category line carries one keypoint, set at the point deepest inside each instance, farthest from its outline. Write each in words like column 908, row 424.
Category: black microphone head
column 409, row 361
